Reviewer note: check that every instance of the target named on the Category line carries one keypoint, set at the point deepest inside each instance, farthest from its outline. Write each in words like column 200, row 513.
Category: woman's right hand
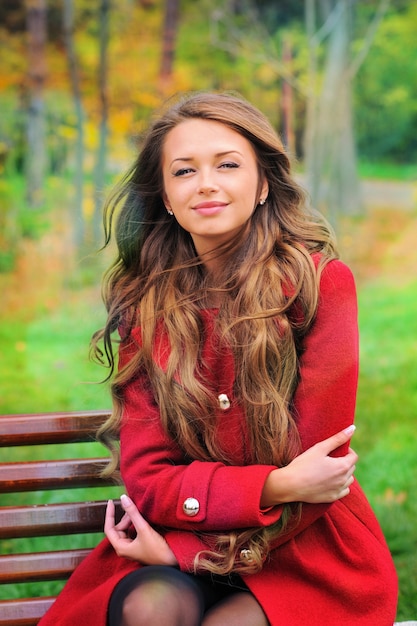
column 148, row 547
column 313, row 476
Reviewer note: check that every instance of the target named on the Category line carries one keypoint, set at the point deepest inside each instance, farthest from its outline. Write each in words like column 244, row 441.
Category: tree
column 168, row 42
column 101, row 154
column 36, row 148
column 330, row 152
column 68, row 31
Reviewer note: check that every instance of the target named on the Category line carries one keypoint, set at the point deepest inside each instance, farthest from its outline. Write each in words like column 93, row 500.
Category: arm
column 326, row 395
column 325, row 398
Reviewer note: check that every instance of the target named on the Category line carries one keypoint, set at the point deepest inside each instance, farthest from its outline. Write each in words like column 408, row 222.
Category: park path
column 383, row 194
column 388, row 194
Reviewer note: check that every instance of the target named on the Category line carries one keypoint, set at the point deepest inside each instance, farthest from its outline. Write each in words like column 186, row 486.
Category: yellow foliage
column 88, row 207
column 266, row 73
column 67, row 132
column 121, row 121
column 394, row 498
column 146, row 99
column 91, row 135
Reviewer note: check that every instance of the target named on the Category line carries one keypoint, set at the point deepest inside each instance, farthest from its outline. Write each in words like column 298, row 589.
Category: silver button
column 191, row 507
column 224, row 402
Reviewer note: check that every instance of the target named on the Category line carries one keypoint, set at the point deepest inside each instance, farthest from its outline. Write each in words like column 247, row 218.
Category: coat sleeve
column 160, row 480
column 325, row 398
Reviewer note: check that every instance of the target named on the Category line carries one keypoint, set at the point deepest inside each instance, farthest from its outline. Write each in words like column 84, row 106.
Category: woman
column 234, row 397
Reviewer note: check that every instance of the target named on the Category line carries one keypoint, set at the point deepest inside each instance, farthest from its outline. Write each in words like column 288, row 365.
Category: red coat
column 335, row 568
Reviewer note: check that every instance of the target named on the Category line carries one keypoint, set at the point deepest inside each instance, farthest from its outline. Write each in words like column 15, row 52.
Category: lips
column 209, row 205
column 209, row 208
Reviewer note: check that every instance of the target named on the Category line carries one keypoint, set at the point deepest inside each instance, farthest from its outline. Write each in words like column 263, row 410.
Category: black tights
column 158, row 595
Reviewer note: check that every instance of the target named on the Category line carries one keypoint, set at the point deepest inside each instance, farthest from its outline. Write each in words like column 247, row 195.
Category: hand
column 313, row 476
column 148, row 547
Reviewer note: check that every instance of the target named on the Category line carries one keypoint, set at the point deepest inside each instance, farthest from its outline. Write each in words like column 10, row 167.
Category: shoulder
column 334, row 275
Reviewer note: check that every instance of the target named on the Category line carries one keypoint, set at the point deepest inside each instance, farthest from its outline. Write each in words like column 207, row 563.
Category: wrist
column 277, row 488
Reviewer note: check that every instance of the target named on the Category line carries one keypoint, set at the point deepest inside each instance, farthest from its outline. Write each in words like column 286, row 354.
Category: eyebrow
column 217, row 155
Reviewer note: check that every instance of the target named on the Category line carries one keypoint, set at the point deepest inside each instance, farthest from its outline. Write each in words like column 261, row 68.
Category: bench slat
column 53, row 519
column 25, row 612
column 47, row 520
column 41, row 475
column 22, row 430
column 39, row 566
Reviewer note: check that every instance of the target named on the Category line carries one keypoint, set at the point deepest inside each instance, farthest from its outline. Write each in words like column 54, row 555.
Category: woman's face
column 211, row 181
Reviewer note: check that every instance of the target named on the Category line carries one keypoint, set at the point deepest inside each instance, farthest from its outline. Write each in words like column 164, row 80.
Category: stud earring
column 262, row 201
column 170, row 212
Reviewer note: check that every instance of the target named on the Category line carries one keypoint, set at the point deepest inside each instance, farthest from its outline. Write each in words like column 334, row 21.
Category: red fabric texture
column 334, row 568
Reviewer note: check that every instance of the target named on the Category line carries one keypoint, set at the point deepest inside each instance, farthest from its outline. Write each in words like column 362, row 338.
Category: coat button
column 224, row 402
column 191, row 507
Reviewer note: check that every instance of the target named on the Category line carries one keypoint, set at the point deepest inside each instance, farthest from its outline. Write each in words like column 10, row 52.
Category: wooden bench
column 48, row 520
column 45, row 520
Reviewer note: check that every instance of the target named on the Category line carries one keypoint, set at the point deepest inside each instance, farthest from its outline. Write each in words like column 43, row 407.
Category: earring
column 262, row 201
column 170, row 212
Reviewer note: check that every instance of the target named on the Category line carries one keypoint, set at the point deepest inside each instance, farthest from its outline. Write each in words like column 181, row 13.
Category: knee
column 160, row 605
column 142, row 605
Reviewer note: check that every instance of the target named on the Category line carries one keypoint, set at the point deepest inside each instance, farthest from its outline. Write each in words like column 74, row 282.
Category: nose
column 207, row 182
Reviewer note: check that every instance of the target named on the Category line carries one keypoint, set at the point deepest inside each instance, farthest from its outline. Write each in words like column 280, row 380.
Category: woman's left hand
column 148, row 547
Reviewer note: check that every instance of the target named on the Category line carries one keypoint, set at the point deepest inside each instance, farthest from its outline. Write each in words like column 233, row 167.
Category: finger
column 346, row 490
column 109, row 521
column 131, row 509
column 337, row 440
column 353, row 454
column 124, row 523
column 109, row 528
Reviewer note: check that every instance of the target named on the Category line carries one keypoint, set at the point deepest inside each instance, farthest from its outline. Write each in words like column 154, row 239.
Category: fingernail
column 350, row 429
column 126, row 501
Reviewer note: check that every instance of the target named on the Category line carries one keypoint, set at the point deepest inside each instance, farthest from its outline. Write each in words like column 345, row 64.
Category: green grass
column 386, row 438
column 388, row 171
column 45, row 367
column 406, row 172
column 44, row 363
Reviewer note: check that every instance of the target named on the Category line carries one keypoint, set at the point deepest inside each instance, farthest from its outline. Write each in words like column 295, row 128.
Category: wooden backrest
column 45, row 520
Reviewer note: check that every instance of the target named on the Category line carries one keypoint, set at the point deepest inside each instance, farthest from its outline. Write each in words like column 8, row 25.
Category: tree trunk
column 101, row 155
column 68, row 28
column 331, row 157
column 35, row 164
column 168, row 42
column 311, row 104
column 287, row 102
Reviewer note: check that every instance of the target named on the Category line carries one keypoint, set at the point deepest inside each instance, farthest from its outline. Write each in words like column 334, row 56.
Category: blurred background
column 79, row 81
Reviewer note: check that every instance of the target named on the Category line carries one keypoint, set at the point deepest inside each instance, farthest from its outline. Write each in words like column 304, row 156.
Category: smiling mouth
column 209, row 208
column 210, row 204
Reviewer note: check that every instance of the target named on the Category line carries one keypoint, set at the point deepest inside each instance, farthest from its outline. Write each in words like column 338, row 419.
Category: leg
column 239, row 609
column 157, row 595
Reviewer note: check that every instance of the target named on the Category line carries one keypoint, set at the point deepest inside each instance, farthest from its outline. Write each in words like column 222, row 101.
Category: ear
column 166, row 201
column 264, row 190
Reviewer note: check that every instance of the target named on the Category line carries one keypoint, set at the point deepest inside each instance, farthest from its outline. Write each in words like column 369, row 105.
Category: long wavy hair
column 268, row 294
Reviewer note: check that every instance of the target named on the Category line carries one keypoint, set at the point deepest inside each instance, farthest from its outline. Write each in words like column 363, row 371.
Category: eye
column 182, row 171
column 229, row 165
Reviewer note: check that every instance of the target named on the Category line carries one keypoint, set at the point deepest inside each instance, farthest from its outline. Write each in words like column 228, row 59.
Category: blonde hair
column 269, row 295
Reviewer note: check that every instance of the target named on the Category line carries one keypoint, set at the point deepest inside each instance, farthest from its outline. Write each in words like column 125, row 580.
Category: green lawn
column 386, row 437
column 45, row 367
